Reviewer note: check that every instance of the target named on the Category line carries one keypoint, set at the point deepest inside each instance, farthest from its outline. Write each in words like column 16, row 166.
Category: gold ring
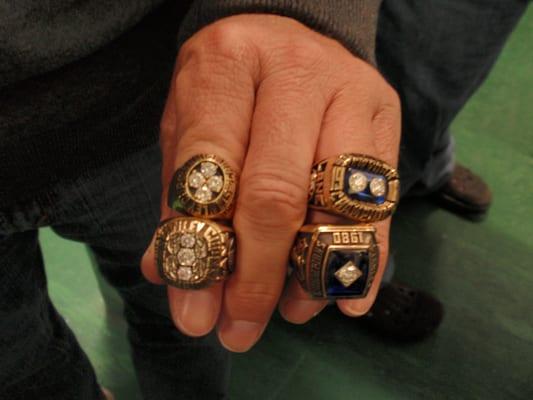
column 193, row 253
column 204, row 186
column 335, row 261
column 358, row 187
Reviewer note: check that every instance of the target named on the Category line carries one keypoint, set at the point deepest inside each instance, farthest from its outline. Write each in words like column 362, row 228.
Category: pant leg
column 39, row 355
column 122, row 203
column 436, row 53
column 438, row 169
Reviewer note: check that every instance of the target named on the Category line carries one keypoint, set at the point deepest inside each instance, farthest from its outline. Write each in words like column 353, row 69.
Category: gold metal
column 325, row 254
column 332, row 190
column 204, row 186
column 192, row 253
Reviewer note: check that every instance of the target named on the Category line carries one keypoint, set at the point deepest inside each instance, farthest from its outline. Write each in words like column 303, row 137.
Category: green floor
column 482, row 272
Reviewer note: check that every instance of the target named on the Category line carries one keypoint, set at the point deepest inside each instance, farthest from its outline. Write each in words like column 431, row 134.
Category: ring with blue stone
column 335, row 261
column 358, row 187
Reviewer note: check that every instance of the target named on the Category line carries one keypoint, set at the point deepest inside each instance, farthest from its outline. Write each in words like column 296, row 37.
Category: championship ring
column 335, row 261
column 358, row 187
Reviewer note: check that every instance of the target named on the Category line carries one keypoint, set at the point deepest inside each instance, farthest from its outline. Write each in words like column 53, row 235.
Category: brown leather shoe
column 404, row 314
column 465, row 194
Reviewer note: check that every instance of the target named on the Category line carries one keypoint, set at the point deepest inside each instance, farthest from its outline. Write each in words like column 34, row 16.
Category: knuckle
column 272, row 202
column 218, row 44
column 391, row 99
column 227, row 40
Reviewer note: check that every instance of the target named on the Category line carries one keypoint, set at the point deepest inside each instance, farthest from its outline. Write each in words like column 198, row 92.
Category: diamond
column 185, row 273
column 357, row 182
column 348, row 274
column 186, row 257
column 215, row 183
column 208, row 169
column 378, row 186
column 187, row 240
column 196, row 179
column 204, row 194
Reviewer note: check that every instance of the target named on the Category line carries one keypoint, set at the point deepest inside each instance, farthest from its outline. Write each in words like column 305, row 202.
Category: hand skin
column 271, row 97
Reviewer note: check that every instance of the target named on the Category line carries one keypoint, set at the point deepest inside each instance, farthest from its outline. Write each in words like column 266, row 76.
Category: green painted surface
column 482, row 273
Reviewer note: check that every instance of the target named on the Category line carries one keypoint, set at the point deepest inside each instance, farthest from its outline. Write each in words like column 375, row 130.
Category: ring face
column 358, row 187
column 192, row 253
column 335, row 261
column 204, row 186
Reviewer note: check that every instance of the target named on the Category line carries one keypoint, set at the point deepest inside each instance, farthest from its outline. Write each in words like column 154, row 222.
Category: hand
column 270, row 96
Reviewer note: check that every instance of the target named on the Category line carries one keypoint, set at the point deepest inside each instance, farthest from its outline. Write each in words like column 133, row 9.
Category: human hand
column 270, row 96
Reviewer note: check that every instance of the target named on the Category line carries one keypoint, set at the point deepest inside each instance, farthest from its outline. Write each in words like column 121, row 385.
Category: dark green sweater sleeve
column 351, row 22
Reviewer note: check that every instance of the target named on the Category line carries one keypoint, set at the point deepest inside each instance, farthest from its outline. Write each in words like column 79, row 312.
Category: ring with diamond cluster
column 358, row 187
column 194, row 253
column 335, row 261
column 204, row 186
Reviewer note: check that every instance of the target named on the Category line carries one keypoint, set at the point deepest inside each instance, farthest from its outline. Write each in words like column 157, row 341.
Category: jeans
column 436, row 53
column 115, row 212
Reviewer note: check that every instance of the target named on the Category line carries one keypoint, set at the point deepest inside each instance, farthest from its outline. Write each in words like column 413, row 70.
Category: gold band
column 358, row 187
column 204, row 186
column 193, row 253
column 335, row 261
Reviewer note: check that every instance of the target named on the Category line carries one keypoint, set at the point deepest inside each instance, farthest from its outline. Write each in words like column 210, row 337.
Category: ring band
column 335, row 261
column 358, row 187
column 204, row 186
column 193, row 253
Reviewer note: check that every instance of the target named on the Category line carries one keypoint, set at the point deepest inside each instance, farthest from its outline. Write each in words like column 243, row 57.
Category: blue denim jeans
column 436, row 53
column 115, row 212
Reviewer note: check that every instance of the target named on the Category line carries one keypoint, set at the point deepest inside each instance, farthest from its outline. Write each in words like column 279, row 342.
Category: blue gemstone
column 364, row 195
column 338, row 259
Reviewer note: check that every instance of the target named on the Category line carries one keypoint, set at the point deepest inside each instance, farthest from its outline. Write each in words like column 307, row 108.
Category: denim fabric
column 436, row 53
column 115, row 211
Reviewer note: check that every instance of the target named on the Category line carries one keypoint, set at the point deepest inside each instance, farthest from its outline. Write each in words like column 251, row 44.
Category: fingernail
column 239, row 336
column 355, row 311
column 196, row 314
column 300, row 311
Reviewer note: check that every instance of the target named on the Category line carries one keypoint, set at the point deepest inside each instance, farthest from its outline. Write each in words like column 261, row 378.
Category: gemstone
column 172, row 243
column 187, row 240
column 186, row 257
column 215, row 183
column 348, row 274
column 196, row 179
column 185, row 273
column 336, row 261
column 208, row 169
column 378, row 186
column 357, row 182
column 204, row 194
